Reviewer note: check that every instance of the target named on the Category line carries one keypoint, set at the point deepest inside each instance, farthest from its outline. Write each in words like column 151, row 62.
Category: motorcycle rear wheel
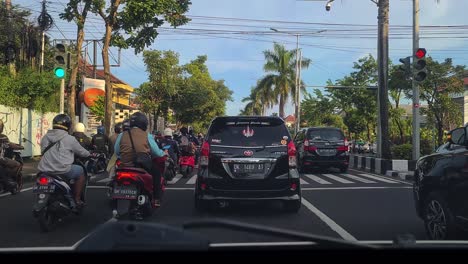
column 47, row 221
column 184, row 171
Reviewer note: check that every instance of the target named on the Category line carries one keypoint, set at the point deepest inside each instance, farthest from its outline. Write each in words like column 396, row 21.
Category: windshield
column 248, row 134
column 325, row 134
column 321, row 117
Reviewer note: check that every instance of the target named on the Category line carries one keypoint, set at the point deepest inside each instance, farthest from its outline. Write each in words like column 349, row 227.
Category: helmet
column 80, row 127
column 168, row 132
column 100, row 130
column 118, row 128
column 126, row 125
column 62, row 121
column 139, row 120
column 1, row 126
column 184, row 130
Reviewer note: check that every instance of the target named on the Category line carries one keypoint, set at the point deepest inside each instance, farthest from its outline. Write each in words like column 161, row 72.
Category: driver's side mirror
column 457, row 136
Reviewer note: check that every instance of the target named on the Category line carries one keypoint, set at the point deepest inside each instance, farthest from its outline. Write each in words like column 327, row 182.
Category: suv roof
column 323, row 128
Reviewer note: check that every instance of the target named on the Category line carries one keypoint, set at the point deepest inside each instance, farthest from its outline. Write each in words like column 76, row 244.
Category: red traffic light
column 420, row 53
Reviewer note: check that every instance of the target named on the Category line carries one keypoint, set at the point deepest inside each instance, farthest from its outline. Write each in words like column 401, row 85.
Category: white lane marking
column 385, row 177
column 327, row 220
column 316, row 179
column 303, row 182
column 79, row 241
column 192, row 180
column 356, row 178
column 106, row 180
column 336, row 178
column 179, row 189
column 97, row 187
column 354, row 188
column 377, row 178
column 176, row 179
column 92, row 178
column 23, row 190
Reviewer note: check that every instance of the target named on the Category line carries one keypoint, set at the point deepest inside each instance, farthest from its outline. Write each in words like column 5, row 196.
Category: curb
column 403, row 175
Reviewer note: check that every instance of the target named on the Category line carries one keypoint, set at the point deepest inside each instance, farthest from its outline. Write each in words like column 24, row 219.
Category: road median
column 402, row 169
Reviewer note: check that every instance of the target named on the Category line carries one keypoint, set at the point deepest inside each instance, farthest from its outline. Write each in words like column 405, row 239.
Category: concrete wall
column 26, row 127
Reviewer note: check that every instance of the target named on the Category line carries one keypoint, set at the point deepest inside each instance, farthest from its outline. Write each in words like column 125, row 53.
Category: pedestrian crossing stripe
column 356, row 178
column 176, row 179
column 317, row 179
column 338, row 179
column 192, row 180
column 306, row 179
column 377, row 178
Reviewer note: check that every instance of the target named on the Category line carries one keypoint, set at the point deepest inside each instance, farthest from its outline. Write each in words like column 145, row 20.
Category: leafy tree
column 254, row 104
column 281, row 65
column 98, row 109
column 443, row 79
column 134, row 23
column 77, row 11
column 399, row 84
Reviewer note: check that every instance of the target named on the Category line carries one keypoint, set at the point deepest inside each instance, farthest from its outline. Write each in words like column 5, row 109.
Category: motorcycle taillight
column 43, row 180
column 126, row 175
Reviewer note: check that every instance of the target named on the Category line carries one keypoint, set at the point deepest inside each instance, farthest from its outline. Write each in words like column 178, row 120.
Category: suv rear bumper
column 313, row 161
column 211, row 197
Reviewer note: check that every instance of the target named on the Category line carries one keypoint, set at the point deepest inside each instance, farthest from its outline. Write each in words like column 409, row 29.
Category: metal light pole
column 416, row 117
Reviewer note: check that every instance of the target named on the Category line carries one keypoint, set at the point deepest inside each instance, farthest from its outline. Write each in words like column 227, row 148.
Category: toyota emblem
column 248, row 153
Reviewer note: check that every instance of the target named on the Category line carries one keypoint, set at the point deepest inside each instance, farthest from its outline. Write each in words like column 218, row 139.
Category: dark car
column 248, row 158
column 322, row 147
column 441, row 189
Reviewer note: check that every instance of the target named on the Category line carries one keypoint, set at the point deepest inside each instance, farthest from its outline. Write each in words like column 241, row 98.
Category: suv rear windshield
column 248, row 133
column 325, row 134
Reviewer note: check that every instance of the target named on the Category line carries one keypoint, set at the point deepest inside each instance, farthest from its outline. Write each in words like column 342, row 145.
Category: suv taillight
column 308, row 147
column 292, row 154
column 205, row 154
column 342, row 148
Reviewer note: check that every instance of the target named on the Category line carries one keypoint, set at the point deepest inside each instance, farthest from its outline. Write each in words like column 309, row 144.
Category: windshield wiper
column 235, row 225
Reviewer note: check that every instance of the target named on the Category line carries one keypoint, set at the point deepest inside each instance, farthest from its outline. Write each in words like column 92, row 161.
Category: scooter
column 186, row 164
column 131, row 191
column 54, row 199
column 11, row 177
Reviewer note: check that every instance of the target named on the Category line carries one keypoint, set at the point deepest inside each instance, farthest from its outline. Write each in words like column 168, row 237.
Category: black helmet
column 139, row 120
column 184, row 130
column 118, row 128
column 126, row 125
column 62, row 121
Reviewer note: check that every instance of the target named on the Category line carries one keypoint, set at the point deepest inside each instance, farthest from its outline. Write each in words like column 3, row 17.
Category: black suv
column 441, row 188
column 248, row 158
column 322, row 147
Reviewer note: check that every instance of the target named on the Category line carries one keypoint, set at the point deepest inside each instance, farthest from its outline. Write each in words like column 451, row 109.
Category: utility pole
column 383, row 145
column 45, row 22
column 296, row 99
column 416, row 117
column 10, row 49
column 298, row 118
column 62, row 96
column 94, row 58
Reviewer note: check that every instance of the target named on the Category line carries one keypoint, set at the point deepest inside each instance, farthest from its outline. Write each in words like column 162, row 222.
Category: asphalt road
column 353, row 206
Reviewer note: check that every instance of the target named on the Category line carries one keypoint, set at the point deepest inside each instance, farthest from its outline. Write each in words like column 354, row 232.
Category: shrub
column 403, row 151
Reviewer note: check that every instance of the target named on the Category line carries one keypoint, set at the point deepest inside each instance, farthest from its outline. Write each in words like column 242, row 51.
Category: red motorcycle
column 186, row 164
column 131, row 191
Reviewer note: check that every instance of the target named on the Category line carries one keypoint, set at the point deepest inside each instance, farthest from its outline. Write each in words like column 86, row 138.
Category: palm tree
column 254, row 104
column 281, row 65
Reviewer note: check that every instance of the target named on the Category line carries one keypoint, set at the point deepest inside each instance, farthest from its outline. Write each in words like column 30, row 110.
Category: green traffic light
column 59, row 72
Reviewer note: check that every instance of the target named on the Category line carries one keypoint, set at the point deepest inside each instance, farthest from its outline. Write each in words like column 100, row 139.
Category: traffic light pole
column 416, row 117
column 62, row 95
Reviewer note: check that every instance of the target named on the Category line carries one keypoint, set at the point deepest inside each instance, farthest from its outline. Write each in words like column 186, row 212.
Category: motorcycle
column 186, row 165
column 97, row 164
column 131, row 190
column 54, row 199
column 11, row 173
column 170, row 170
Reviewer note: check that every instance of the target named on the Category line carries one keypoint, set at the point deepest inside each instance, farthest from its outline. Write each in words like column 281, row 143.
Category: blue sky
column 240, row 62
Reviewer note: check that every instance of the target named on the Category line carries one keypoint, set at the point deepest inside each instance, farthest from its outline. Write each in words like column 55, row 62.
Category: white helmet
column 80, row 127
column 168, row 132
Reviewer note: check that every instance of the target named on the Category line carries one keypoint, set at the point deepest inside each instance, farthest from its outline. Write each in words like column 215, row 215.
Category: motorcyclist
column 81, row 137
column 100, row 141
column 8, row 167
column 187, row 150
column 58, row 154
column 167, row 140
column 143, row 143
column 118, row 128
